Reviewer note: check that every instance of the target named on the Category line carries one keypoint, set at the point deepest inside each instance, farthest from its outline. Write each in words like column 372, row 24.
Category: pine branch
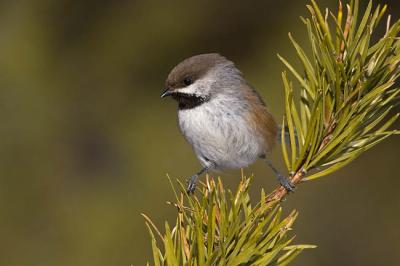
column 223, row 228
column 347, row 92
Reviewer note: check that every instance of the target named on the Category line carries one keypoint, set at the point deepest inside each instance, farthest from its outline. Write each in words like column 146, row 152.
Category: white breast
column 220, row 134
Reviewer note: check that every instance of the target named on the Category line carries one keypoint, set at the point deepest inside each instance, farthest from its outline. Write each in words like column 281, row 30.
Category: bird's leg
column 283, row 180
column 193, row 180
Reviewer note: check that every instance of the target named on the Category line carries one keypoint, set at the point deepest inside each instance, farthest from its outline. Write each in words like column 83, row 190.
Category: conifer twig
column 347, row 93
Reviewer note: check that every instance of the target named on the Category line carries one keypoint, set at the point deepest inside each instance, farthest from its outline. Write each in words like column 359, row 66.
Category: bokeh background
column 86, row 142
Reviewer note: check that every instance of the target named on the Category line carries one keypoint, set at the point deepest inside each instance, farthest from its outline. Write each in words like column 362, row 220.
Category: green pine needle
column 223, row 228
column 348, row 89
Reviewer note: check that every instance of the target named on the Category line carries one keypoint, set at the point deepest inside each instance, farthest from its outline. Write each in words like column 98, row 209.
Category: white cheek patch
column 191, row 89
column 199, row 87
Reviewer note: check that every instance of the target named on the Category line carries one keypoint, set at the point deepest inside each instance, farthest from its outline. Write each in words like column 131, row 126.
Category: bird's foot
column 192, row 184
column 285, row 182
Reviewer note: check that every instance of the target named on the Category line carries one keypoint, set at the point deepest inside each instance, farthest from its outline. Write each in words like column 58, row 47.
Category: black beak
column 166, row 93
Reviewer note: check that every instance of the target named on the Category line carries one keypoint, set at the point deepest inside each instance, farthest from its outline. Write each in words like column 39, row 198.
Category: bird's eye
column 188, row 80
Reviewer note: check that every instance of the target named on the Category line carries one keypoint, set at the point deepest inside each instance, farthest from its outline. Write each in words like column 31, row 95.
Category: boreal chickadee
column 221, row 115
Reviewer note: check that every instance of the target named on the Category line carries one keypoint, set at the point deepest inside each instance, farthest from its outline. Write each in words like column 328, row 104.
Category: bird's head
column 200, row 78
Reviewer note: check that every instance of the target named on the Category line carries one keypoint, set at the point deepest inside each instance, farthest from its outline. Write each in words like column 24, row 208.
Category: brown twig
column 279, row 193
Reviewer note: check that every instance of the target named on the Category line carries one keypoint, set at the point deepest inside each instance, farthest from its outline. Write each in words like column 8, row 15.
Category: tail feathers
column 287, row 135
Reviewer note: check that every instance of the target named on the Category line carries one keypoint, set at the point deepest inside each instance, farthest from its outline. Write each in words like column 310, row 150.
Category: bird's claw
column 192, row 185
column 285, row 182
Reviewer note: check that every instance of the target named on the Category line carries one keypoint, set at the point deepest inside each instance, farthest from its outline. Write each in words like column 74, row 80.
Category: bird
column 221, row 116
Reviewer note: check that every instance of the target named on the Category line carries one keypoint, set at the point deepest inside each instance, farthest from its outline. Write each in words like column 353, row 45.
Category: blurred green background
column 86, row 142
